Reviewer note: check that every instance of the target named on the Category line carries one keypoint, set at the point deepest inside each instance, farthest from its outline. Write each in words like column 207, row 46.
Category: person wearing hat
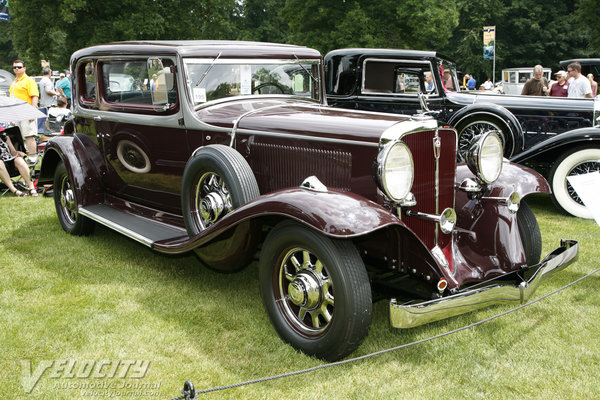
column 561, row 87
column 63, row 87
column 12, row 163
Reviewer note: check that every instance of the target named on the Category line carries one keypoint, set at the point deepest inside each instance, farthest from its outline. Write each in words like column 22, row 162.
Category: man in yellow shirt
column 25, row 88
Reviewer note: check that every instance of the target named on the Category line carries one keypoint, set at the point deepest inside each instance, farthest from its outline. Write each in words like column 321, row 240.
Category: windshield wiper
column 208, row 69
column 305, row 70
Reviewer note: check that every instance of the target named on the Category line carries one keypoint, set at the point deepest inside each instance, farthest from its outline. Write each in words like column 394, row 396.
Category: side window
column 147, row 82
column 398, row 77
column 87, row 83
column 408, row 81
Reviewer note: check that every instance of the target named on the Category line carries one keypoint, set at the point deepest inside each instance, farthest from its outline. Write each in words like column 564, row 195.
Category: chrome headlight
column 395, row 170
column 485, row 157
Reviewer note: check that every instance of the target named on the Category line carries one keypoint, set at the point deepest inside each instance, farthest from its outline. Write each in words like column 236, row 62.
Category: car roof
column 582, row 61
column 199, row 48
column 369, row 52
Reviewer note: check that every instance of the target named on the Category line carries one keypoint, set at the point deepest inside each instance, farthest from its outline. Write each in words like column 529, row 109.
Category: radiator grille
column 277, row 166
column 421, row 146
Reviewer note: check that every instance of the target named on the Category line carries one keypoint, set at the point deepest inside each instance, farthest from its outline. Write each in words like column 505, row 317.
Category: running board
column 140, row 229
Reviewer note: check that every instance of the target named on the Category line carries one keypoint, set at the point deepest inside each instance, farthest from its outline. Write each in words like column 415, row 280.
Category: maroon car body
column 224, row 148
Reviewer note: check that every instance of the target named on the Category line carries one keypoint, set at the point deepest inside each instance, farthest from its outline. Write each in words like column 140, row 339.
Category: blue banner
column 489, row 42
column 3, row 10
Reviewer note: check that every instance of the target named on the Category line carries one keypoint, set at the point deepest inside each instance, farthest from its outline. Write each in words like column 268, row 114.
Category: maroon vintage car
column 224, row 148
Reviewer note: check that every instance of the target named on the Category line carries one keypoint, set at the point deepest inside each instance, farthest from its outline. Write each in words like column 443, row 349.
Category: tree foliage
column 528, row 32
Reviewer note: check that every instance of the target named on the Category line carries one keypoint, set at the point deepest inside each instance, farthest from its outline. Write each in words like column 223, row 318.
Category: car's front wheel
column 66, row 205
column 581, row 160
column 531, row 236
column 473, row 127
column 315, row 290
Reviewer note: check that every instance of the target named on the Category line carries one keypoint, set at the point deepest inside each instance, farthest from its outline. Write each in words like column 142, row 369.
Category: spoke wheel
column 578, row 161
column 303, row 288
column 66, row 205
column 315, row 290
column 474, row 127
column 216, row 181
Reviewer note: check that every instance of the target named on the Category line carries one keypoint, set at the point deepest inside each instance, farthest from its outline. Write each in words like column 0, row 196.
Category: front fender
column 84, row 179
column 513, row 178
column 337, row 214
column 492, row 110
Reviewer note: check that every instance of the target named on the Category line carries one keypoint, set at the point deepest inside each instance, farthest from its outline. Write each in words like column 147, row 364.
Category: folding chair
column 17, row 140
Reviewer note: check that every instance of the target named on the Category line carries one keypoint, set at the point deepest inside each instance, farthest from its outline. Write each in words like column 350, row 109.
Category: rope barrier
column 192, row 394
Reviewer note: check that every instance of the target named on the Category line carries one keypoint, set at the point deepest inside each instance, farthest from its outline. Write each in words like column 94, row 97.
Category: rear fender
column 84, row 178
column 549, row 150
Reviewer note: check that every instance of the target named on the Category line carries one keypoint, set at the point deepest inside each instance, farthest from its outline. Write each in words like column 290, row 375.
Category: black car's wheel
column 66, row 205
column 216, row 181
column 315, row 290
column 581, row 160
column 529, row 231
column 473, row 127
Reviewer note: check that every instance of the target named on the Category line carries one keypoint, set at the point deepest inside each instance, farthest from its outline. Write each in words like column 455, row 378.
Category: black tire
column 472, row 127
column 579, row 160
column 529, row 231
column 232, row 184
column 322, row 307
column 67, row 206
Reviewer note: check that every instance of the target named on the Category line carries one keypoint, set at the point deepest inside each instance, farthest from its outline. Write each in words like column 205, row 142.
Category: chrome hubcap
column 67, row 201
column 307, row 292
column 212, row 199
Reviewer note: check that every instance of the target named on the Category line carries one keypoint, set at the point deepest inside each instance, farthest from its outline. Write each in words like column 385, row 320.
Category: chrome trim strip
column 410, row 315
column 306, row 137
column 127, row 232
column 412, row 125
column 257, row 110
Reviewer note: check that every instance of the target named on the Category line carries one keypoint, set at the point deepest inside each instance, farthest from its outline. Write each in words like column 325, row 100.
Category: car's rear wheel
column 216, row 181
column 529, row 231
column 315, row 290
column 473, row 127
column 66, row 205
column 581, row 160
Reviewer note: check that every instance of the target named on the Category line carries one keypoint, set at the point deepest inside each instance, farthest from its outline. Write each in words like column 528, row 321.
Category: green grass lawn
column 109, row 301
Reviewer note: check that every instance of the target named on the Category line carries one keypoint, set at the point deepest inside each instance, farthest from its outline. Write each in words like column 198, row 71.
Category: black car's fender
column 502, row 115
column 549, row 150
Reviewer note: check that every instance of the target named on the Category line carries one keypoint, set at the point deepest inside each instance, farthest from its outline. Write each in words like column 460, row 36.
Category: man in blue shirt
column 63, row 86
column 471, row 83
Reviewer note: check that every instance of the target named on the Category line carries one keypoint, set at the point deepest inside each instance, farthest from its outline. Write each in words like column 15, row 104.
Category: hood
column 521, row 102
column 300, row 117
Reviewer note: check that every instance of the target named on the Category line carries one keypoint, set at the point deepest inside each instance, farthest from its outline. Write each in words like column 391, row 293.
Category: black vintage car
column 227, row 148
column 532, row 128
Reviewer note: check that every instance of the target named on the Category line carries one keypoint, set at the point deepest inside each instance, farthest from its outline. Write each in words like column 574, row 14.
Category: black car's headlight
column 484, row 158
column 395, row 170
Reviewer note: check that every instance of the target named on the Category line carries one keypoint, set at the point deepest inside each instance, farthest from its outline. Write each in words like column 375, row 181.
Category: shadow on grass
column 195, row 316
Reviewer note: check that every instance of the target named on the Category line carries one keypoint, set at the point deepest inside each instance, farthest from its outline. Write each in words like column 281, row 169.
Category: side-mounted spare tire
column 216, row 181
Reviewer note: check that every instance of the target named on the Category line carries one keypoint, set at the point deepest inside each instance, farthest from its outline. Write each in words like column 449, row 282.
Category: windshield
column 213, row 79
column 449, row 76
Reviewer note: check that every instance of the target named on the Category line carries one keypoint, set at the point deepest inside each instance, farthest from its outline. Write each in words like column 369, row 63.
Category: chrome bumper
column 413, row 314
